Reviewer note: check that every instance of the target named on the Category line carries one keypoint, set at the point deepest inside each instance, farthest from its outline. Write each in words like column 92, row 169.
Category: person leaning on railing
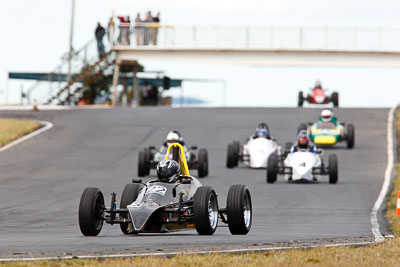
column 138, row 30
column 156, row 21
column 124, row 30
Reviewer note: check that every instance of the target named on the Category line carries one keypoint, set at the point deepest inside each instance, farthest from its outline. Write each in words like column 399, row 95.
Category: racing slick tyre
column 302, row 127
column 237, row 150
column 202, row 168
column 335, row 99
column 149, row 155
column 300, row 100
column 231, row 159
column 239, row 210
column 129, row 195
column 272, row 168
column 142, row 164
column 91, row 208
column 333, row 169
column 288, row 147
column 205, row 210
column 350, row 136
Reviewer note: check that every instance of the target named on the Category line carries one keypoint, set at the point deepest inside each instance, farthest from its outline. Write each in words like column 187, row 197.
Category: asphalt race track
column 42, row 179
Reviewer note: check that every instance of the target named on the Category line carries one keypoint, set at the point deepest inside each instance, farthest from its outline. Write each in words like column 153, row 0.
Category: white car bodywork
column 302, row 164
column 257, row 151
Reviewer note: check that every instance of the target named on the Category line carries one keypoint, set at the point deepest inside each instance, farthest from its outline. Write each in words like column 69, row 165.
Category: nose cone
column 258, row 159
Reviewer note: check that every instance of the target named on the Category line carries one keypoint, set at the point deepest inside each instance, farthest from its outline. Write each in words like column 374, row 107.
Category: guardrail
column 260, row 37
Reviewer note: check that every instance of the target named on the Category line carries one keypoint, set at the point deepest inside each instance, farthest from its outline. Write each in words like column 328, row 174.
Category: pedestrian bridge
column 263, row 46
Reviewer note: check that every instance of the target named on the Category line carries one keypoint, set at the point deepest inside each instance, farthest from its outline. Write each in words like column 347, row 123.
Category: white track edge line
column 158, row 254
column 46, row 126
column 386, row 182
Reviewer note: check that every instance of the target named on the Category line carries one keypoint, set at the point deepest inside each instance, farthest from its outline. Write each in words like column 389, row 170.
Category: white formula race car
column 302, row 166
column 254, row 153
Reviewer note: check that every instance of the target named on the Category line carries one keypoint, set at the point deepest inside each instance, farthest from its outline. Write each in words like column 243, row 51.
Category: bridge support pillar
column 115, row 84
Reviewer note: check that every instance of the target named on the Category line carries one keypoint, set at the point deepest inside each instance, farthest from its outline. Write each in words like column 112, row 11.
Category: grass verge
column 394, row 221
column 383, row 254
column 11, row 129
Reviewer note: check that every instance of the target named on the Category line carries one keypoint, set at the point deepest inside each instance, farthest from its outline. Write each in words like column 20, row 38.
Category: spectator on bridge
column 139, row 30
column 147, row 31
column 124, row 30
column 99, row 33
column 156, row 20
column 111, row 29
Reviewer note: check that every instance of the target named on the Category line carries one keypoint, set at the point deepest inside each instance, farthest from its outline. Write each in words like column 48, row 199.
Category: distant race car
column 161, row 207
column 302, row 166
column 149, row 158
column 255, row 152
column 318, row 96
column 329, row 134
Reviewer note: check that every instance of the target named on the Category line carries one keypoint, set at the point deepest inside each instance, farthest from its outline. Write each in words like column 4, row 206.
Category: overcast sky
column 35, row 33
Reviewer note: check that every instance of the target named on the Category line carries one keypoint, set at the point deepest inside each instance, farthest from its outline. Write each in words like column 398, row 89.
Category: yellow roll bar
column 182, row 158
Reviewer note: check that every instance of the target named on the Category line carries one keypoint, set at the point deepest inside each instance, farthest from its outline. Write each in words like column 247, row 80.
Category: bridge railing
column 260, row 37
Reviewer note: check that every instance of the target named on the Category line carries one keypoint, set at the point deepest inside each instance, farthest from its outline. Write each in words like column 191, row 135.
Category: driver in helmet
column 174, row 137
column 327, row 116
column 317, row 85
column 303, row 143
column 168, row 171
column 262, row 131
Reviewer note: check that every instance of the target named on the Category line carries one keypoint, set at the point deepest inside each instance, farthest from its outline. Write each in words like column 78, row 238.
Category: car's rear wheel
column 129, row 195
column 350, row 135
column 202, row 168
column 231, row 157
column 239, row 209
column 300, row 99
column 91, row 208
column 142, row 163
column 272, row 168
column 149, row 156
column 333, row 169
column 205, row 210
column 335, row 99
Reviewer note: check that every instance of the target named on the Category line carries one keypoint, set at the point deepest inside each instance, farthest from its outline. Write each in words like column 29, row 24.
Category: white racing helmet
column 326, row 115
column 173, row 137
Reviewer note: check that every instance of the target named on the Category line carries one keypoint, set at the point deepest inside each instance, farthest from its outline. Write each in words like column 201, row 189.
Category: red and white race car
column 318, row 96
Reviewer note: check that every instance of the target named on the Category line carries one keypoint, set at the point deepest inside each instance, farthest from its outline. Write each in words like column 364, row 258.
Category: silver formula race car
column 302, row 166
column 158, row 207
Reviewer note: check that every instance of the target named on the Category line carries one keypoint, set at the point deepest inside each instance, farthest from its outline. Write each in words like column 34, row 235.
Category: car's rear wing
column 178, row 153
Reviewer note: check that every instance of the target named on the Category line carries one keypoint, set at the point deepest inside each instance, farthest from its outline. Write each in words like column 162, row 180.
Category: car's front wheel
column 350, row 136
column 300, row 100
column 239, row 209
column 142, row 163
column 231, row 157
column 333, row 169
column 91, row 208
column 335, row 99
column 272, row 168
column 205, row 210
